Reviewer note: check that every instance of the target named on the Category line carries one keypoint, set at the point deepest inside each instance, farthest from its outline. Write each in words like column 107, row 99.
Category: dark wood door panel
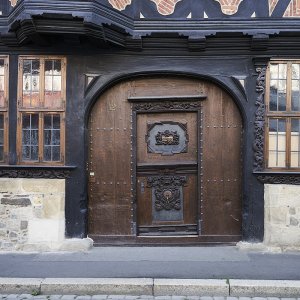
column 146, row 122
column 110, row 164
column 211, row 163
column 221, row 167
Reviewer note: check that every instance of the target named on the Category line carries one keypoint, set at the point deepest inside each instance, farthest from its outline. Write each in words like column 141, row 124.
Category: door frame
column 165, row 104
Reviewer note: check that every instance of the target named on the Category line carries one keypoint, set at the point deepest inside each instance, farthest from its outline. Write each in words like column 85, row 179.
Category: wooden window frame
column 41, row 110
column 4, row 109
column 288, row 115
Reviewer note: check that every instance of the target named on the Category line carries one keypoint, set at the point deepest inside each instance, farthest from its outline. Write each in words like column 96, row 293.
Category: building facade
column 149, row 122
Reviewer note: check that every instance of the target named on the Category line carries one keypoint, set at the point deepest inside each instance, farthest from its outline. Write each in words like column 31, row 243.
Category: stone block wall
column 282, row 215
column 32, row 211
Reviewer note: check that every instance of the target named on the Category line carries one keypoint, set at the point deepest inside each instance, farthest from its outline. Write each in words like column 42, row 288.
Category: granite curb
column 151, row 287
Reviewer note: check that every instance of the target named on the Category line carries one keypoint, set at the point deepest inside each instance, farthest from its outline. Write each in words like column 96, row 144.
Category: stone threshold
column 150, row 286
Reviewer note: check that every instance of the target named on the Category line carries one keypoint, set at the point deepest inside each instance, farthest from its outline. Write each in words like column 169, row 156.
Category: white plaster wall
column 282, row 215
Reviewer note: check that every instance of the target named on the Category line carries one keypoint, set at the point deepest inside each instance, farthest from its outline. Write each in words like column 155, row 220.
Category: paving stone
column 99, row 297
column 97, row 286
column 163, row 298
column 179, row 298
column 116, row 297
column 219, row 298
column 232, row 298
column 264, row 288
column 206, row 298
column 84, row 297
column 146, row 297
column 12, row 296
column 191, row 287
column 246, row 298
column 68, row 297
column 55, row 297
column 40, row 297
column 131, row 297
column 25, row 296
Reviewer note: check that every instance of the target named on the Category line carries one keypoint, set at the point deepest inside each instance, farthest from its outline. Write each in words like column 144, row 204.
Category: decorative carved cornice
column 29, row 172
column 279, row 179
column 161, row 106
column 258, row 146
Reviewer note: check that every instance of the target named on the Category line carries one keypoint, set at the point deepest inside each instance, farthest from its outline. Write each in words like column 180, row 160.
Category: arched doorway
column 165, row 163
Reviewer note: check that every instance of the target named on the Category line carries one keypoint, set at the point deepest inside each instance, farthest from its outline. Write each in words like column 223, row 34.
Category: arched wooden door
column 165, row 163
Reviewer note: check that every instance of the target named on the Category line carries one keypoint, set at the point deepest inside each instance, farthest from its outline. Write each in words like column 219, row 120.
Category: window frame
column 288, row 115
column 4, row 110
column 41, row 110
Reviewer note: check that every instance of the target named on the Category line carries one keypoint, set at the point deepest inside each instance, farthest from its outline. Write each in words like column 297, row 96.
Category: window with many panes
column 41, row 109
column 283, row 115
column 3, row 108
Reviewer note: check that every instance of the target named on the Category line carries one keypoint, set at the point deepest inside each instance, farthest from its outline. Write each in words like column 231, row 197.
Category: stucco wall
column 282, row 215
column 32, row 211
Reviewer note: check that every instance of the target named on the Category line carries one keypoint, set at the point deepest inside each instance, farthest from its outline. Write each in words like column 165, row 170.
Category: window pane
column 52, row 137
column 53, row 95
column 1, row 137
column 47, row 121
column 56, row 153
column 277, row 143
column 295, row 71
column 278, row 74
column 48, row 83
column 273, row 95
column 274, row 71
column 48, row 67
column 26, row 137
column 2, row 87
column 282, row 95
column 295, row 143
column 1, row 66
column 30, row 136
column 1, row 121
column 47, row 153
column 295, row 96
column 282, row 71
column 31, row 82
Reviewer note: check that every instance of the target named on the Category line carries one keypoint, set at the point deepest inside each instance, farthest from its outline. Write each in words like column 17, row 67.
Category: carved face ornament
column 229, row 7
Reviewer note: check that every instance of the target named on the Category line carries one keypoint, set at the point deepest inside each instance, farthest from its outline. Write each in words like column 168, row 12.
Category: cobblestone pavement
column 123, row 297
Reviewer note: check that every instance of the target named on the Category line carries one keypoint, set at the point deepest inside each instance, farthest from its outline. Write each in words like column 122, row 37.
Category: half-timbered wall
column 105, row 44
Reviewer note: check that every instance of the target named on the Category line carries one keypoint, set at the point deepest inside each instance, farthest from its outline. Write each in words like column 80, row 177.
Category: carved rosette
column 167, row 191
column 259, row 124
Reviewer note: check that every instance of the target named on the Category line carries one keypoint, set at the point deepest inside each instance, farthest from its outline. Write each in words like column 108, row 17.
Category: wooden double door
column 165, row 163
